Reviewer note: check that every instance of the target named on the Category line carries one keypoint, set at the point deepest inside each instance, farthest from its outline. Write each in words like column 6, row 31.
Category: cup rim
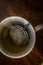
column 27, row 22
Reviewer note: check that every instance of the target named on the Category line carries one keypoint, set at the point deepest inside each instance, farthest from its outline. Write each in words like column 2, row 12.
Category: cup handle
column 39, row 27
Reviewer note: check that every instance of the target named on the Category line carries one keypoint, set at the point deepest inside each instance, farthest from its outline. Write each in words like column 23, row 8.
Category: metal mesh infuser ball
column 19, row 35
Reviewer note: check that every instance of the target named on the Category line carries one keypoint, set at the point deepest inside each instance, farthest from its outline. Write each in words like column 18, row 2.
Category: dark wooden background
column 32, row 10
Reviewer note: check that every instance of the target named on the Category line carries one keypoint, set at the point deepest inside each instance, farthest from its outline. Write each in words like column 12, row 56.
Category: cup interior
column 18, row 20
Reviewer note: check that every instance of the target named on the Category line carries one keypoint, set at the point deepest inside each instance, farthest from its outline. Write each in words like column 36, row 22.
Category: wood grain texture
column 32, row 10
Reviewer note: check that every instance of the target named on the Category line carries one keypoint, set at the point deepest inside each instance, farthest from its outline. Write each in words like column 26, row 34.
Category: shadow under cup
column 16, row 38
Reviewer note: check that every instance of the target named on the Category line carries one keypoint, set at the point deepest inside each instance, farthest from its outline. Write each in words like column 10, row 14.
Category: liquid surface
column 13, row 41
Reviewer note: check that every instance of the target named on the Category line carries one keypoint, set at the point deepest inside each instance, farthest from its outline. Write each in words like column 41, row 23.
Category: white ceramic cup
column 31, row 30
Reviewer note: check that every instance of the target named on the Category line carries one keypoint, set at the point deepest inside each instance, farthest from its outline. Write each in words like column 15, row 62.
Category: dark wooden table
column 32, row 10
